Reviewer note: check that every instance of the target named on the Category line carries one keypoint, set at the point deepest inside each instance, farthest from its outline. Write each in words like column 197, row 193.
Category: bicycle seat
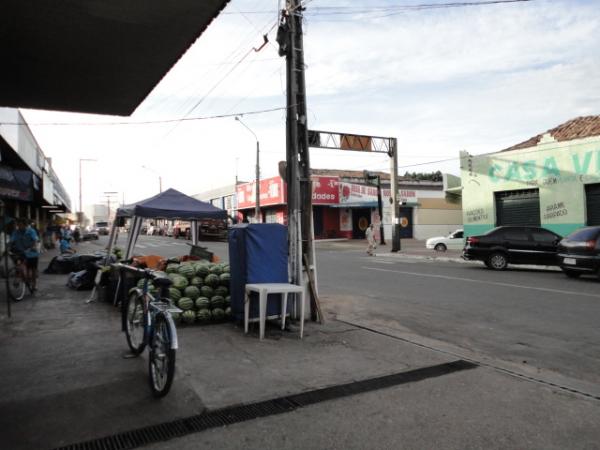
column 162, row 282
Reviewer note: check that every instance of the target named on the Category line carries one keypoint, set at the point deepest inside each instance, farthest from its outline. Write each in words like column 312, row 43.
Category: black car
column 513, row 245
column 579, row 252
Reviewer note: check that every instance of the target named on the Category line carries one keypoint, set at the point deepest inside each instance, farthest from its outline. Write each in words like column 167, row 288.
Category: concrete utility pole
column 299, row 185
column 257, row 214
column 156, row 173
column 394, row 195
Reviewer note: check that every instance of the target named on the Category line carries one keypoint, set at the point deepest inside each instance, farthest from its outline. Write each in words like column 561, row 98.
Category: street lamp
column 156, row 173
column 257, row 187
column 80, row 194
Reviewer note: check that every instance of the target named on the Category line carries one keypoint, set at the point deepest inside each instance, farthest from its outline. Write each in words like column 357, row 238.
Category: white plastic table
column 263, row 290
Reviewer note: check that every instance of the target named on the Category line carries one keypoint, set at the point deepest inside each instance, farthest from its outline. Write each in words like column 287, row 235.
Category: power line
column 147, row 122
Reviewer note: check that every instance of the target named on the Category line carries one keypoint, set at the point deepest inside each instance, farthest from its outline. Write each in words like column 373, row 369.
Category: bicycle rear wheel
column 134, row 323
column 161, row 363
column 16, row 285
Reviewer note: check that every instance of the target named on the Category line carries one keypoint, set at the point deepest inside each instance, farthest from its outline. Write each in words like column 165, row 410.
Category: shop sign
column 271, row 193
column 345, row 220
column 357, row 193
column 325, row 190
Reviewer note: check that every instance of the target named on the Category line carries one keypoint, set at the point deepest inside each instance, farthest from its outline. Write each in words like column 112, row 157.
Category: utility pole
column 299, row 185
column 394, row 195
column 369, row 176
column 108, row 196
column 257, row 213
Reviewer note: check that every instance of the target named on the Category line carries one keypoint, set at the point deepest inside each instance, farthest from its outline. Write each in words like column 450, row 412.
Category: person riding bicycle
column 23, row 242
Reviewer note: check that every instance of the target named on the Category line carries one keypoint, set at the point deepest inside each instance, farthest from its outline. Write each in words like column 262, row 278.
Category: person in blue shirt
column 65, row 245
column 24, row 243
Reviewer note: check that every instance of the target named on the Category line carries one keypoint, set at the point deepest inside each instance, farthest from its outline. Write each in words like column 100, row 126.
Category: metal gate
column 592, row 203
column 520, row 208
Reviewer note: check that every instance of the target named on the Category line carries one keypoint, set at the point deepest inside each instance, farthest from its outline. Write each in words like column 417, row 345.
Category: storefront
column 551, row 180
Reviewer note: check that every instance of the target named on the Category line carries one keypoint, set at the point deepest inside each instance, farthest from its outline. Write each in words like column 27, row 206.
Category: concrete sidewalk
column 66, row 381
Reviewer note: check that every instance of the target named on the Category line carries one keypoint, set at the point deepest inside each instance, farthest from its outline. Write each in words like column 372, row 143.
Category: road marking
column 140, row 246
column 495, row 283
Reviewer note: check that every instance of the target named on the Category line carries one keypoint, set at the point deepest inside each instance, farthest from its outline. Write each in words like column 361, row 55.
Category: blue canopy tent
column 170, row 204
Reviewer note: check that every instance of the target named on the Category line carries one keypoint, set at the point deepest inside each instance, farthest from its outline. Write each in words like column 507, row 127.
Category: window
column 515, row 235
column 457, row 235
column 544, row 236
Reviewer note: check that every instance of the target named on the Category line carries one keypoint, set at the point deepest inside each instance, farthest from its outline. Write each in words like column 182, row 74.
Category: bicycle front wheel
column 16, row 285
column 161, row 363
column 134, row 323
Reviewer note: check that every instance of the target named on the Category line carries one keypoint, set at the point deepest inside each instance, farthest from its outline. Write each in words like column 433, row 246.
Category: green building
column 551, row 180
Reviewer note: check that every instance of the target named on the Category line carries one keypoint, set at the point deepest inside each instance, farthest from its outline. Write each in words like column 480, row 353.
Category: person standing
column 371, row 244
column 24, row 242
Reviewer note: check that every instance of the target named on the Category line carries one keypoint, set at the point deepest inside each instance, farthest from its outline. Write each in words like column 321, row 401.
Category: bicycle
column 148, row 322
column 17, row 280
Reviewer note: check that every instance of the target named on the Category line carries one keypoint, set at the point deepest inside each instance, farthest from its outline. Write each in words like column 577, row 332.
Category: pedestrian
column 371, row 244
column 24, row 244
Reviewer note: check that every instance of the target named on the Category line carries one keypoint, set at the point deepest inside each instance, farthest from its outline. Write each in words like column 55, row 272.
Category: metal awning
column 95, row 56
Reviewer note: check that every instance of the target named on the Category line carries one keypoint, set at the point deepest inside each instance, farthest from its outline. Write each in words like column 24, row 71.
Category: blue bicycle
column 148, row 322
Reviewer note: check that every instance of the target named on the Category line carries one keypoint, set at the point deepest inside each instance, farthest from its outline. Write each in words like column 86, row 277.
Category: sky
column 440, row 80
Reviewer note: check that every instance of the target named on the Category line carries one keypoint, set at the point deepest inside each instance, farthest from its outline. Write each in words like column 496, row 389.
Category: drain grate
column 241, row 413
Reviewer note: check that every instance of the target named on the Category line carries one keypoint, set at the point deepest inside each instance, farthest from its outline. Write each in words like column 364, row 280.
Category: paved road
column 535, row 322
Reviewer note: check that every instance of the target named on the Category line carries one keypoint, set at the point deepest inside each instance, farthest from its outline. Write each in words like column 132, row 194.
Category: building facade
column 551, row 180
column 29, row 186
column 344, row 205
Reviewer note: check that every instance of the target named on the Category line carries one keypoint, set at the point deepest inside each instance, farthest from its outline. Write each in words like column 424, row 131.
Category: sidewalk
column 65, row 381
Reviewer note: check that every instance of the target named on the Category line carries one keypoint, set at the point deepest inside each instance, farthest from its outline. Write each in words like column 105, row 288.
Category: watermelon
column 217, row 302
column 225, row 278
column 197, row 281
column 212, row 280
column 207, row 291
column 218, row 314
column 192, row 292
column 228, row 311
column 172, row 268
column 186, row 270
column 202, row 270
column 222, row 291
column 188, row 317
column 202, row 303
column 203, row 315
column 215, row 269
column 176, row 316
column 185, row 303
column 228, row 300
column 174, row 294
column 179, row 282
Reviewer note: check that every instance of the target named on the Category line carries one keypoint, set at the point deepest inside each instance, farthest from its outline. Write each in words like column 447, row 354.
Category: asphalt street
column 535, row 322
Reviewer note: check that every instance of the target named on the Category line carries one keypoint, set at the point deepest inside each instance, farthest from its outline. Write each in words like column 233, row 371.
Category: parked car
column 454, row 241
column 579, row 252
column 513, row 245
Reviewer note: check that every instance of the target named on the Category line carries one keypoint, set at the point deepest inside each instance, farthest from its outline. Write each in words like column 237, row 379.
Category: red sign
column 325, row 190
column 271, row 193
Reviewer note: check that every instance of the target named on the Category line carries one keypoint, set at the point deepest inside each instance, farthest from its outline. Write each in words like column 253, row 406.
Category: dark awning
column 16, row 184
column 172, row 204
column 96, row 56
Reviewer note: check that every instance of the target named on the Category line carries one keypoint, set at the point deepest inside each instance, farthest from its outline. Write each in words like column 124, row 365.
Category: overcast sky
column 440, row 80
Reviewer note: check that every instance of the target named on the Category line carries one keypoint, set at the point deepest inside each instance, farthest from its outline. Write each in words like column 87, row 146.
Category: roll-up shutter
column 592, row 203
column 521, row 208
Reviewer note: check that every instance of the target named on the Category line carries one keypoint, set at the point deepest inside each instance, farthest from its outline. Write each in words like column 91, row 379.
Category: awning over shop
column 16, row 184
column 94, row 56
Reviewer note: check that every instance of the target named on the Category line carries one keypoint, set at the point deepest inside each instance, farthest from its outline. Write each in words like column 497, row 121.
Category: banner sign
column 271, row 193
column 325, row 190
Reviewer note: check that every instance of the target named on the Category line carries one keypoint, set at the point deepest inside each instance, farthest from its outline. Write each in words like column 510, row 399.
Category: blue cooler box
column 258, row 253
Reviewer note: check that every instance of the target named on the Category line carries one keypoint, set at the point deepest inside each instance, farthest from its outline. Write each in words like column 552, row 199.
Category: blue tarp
column 172, row 204
column 257, row 254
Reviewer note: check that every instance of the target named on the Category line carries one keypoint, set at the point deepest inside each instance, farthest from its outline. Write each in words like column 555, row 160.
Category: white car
column 454, row 241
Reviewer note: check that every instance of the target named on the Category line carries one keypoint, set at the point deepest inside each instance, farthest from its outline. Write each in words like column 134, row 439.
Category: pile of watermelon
column 201, row 290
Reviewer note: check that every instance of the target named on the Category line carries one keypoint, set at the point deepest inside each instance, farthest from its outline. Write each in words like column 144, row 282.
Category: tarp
column 172, row 204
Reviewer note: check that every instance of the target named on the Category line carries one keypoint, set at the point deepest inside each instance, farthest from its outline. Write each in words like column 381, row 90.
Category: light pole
column 257, row 185
column 80, row 184
column 156, row 173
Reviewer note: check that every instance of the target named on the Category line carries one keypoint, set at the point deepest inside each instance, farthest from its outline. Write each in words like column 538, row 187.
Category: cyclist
column 23, row 243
